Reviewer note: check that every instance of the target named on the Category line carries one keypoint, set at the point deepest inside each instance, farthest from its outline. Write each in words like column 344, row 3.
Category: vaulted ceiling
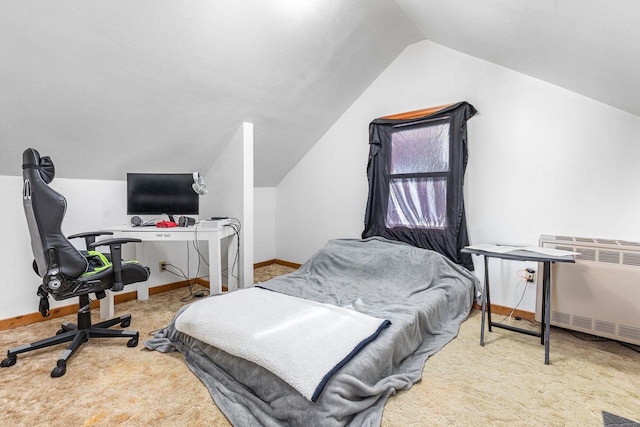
column 107, row 87
column 591, row 47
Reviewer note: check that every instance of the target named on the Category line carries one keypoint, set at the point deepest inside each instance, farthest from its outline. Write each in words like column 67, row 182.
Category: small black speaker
column 136, row 221
column 185, row 221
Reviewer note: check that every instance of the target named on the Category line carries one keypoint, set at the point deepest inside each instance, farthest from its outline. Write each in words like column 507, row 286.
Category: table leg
column 106, row 307
column 485, row 298
column 543, row 320
column 547, row 308
column 233, row 264
column 143, row 287
column 486, row 281
column 215, row 270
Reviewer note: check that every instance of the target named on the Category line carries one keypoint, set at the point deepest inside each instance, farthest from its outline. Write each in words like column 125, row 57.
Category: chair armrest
column 116, row 241
column 89, row 236
column 115, row 247
column 89, row 233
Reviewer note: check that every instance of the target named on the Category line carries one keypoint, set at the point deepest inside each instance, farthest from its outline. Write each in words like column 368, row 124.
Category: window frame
column 426, row 176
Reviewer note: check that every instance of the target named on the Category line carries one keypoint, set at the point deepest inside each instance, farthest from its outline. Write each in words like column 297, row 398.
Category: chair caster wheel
column 58, row 371
column 60, row 331
column 133, row 342
column 125, row 323
column 9, row 361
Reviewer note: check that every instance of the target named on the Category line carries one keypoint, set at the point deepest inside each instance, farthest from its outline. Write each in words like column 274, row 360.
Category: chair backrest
column 45, row 208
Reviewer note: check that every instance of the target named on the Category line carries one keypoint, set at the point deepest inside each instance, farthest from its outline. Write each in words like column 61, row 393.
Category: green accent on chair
column 95, row 257
column 100, row 263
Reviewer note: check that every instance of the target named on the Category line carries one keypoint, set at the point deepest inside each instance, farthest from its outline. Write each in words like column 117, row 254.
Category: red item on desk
column 166, row 224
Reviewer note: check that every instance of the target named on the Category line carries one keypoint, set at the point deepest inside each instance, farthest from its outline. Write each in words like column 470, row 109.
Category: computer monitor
column 161, row 193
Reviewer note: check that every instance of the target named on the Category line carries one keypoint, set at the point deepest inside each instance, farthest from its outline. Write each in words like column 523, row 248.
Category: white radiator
column 600, row 293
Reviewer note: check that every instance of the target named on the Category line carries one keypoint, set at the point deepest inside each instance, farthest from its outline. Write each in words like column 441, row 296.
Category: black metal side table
column 519, row 254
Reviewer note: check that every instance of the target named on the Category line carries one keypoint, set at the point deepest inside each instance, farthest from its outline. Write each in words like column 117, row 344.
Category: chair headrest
column 31, row 159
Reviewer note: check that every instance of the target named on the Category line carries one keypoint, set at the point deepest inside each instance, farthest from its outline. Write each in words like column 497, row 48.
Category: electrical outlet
column 531, row 275
column 163, row 266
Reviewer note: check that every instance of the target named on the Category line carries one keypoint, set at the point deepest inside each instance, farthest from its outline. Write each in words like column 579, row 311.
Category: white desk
column 219, row 239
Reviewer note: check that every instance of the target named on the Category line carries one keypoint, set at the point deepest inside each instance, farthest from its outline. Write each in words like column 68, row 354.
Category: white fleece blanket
column 303, row 342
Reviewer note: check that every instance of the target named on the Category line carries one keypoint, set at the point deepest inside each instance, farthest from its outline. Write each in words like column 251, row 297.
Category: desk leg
column 485, row 299
column 106, row 307
column 546, row 283
column 233, row 264
column 543, row 306
column 143, row 287
column 486, row 281
column 215, row 270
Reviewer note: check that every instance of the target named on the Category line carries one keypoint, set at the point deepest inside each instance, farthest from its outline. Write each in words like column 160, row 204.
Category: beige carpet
column 504, row 383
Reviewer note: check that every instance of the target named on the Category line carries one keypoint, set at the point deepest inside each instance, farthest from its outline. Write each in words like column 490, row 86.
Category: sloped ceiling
column 107, row 87
column 110, row 86
column 591, row 47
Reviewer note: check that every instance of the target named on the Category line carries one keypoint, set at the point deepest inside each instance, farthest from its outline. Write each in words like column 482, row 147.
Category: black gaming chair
column 67, row 272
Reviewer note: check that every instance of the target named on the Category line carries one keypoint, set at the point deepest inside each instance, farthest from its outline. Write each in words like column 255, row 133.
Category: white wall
column 230, row 184
column 543, row 160
column 19, row 285
column 264, row 233
column 91, row 205
column 95, row 205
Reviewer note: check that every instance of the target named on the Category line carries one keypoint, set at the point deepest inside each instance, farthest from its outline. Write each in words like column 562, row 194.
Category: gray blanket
column 425, row 296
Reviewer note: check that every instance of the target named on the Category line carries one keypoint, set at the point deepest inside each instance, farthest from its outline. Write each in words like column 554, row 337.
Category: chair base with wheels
column 78, row 334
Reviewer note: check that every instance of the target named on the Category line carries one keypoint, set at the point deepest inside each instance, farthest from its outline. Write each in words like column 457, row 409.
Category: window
column 418, row 170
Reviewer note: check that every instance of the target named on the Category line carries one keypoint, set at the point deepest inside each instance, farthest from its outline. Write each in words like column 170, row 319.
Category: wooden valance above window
column 416, row 113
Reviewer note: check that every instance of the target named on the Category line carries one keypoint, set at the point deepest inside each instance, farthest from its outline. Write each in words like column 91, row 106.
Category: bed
column 408, row 303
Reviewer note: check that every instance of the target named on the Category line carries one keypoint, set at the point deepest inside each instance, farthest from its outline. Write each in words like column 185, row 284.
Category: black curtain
column 445, row 231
